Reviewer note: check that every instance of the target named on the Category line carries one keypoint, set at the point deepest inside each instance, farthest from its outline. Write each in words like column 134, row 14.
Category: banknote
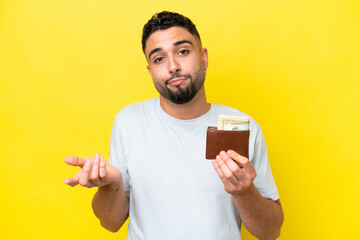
column 233, row 123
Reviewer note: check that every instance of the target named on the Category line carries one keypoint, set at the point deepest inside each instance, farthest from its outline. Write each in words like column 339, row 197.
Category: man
column 157, row 174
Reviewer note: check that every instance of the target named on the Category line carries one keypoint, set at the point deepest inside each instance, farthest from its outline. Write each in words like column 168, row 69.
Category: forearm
column 262, row 217
column 111, row 206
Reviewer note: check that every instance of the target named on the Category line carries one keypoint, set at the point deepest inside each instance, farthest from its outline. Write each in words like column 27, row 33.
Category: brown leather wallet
column 223, row 140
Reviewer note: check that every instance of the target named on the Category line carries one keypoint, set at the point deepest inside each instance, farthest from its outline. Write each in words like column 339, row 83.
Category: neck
column 197, row 107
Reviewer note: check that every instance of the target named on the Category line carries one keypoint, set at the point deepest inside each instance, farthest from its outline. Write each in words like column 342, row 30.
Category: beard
column 185, row 94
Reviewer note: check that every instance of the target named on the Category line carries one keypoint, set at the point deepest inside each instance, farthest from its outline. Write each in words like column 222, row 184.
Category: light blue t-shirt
column 175, row 193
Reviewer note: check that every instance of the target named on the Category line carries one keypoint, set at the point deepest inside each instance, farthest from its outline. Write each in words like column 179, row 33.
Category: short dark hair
column 164, row 20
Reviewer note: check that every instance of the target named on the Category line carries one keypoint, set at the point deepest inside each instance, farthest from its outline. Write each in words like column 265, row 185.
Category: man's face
column 177, row 64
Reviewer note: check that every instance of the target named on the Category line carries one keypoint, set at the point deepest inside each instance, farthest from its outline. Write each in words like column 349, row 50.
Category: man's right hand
column 94, row 172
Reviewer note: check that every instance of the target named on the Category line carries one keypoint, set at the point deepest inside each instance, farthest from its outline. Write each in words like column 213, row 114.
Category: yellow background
column 68, row 66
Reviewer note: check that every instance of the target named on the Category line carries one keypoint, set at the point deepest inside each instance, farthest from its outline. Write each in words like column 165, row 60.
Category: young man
column 157, row 174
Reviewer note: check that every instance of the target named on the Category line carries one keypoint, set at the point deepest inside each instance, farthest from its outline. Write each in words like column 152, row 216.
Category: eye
column 157, row 60
column 182, row 52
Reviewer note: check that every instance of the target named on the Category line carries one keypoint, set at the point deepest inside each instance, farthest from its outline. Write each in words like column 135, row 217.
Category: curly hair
column 164, row 20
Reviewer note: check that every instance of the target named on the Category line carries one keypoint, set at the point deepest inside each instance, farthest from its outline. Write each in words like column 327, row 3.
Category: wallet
column 223, row 140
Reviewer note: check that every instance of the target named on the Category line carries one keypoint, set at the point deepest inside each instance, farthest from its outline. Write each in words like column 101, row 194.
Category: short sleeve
column 264, row 181
column 117, row 156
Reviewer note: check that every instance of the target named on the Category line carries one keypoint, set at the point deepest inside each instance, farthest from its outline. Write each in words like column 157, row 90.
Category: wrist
column 249, row 192
column 114, row 181
column 112, row 186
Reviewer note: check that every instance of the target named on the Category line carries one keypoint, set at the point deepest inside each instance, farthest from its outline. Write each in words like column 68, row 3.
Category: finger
column 217, row 169
column 243, row 162
column 230, row 163
column 84, row 176
column 220, row 173
column 238, row 171
column 75, row 161
column 94, row 176
column 102, row 171
column 95, row 167
column 91, row 166
column 228, row 174
column 248, row 172
column 73, row 181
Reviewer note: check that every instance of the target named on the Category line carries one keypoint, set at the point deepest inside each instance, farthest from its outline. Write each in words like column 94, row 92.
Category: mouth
column 177, row 81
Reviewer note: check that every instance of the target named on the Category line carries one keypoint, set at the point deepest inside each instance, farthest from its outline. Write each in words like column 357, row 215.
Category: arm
column 110, row 203
column 262, row 217
column 111, row 206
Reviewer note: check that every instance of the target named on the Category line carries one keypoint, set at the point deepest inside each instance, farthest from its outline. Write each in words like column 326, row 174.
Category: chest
column 171, row 162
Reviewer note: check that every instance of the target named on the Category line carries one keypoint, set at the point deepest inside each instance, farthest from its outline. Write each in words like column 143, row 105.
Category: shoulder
column 135, row 109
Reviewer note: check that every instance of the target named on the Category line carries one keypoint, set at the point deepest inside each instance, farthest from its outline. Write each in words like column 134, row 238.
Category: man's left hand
column 235, row 171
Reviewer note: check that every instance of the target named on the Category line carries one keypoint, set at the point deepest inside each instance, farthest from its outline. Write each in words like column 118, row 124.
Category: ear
column 149, row 69
column 204, row 55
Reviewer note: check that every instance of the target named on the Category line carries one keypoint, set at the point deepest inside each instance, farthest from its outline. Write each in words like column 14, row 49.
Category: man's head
column 177, row 61
column 165, row 20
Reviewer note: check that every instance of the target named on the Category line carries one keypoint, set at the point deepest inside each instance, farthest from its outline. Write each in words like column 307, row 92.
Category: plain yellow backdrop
column 67, row 67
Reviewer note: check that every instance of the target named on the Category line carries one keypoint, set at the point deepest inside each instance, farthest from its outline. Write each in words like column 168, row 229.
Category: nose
column 174, row 66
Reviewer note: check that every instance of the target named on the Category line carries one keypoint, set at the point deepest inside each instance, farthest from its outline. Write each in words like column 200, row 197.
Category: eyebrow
column 175, row 44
